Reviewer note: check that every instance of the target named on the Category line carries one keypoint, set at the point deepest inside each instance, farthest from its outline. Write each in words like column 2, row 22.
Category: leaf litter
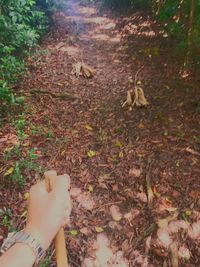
column 105, row 148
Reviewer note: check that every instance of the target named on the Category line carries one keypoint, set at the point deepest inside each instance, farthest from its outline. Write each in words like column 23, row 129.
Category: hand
column 48, row 212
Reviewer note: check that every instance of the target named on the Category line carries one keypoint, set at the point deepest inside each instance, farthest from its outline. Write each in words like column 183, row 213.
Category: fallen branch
column 62, row 96
column 150, row 195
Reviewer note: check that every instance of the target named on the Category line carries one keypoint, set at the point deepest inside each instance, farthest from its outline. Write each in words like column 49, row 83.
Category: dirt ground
column 108, row 150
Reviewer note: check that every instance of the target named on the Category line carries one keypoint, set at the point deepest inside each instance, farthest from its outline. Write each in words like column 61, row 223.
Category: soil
column 105, row 147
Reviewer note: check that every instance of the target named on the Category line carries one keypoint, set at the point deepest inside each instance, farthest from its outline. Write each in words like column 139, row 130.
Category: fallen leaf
column 74, row 192
column 90, row 188
column 155, row 191
column 84, row 231
column 24, row 214
column 118, row 144
column 160, row 252
column 184, row 253
column 141, row 126
column 10, row 138
column 121, row 154
column 163, row 223
column 134, row 172
column 164, row 237
column 99, row 229
column 194, row 230
column 26, row 195
column 142, row 197
column 86, row 201
column 88, row 127
column 166, row 204
column 91, row 153
column 9, row 171
column 115, row 188
column 74, row 232
column 115, row 213
column 188, row 212
column 177, row 225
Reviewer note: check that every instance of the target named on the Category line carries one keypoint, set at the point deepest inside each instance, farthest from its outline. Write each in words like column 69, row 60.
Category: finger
column 38, row 189
column 62, row 183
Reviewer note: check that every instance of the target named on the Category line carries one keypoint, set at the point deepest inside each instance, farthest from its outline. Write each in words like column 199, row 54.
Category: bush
column 21, row 25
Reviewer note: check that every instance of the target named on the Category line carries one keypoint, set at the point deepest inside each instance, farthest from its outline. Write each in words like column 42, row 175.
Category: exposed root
column 63, row 96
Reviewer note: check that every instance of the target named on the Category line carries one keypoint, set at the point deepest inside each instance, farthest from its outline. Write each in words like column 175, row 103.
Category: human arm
column 47, row 212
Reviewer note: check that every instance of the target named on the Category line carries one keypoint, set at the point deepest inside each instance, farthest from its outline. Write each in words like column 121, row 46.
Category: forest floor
column 108, row 150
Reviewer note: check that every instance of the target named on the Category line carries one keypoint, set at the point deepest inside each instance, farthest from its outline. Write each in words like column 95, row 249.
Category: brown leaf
column 86, row 201
column 194, row 230
column 142, row 197
column 75, row 192
column 184, row 253
column 134, row 172
column 115, row 213
column 165, row 204
column 164, row 237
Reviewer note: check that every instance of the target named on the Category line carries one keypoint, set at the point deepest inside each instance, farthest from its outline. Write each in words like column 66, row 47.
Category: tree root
column 63, row 96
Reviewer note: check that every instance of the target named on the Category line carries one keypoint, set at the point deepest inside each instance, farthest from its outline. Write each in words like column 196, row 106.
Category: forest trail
column 105, row 148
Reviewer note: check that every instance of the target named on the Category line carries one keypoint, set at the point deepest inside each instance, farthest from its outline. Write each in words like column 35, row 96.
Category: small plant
column 20, row 127
column 13, row 152
column 197, row 139
column 17, row 175
column 21, row 164
column 46, row 261
column 197, row 109
column 6, row 215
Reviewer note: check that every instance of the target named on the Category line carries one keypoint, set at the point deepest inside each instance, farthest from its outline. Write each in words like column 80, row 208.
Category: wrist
column 39, row 235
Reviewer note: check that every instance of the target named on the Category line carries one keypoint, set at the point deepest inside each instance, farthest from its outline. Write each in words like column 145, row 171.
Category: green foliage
column 21, row 25
column 22, row 163
column 5, row 219
column 181, row 20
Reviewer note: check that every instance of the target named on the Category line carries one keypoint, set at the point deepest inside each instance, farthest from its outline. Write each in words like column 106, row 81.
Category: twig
column 150, row 194
column 109, row 204
column 192, row 151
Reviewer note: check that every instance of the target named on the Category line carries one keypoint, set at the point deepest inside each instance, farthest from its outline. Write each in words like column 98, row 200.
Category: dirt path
column 105, row 148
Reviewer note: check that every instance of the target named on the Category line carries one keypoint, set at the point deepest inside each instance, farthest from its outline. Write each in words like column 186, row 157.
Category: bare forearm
column 20, row 255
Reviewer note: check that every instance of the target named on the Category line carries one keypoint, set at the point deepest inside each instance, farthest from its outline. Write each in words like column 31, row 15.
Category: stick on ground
column 150, row 194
